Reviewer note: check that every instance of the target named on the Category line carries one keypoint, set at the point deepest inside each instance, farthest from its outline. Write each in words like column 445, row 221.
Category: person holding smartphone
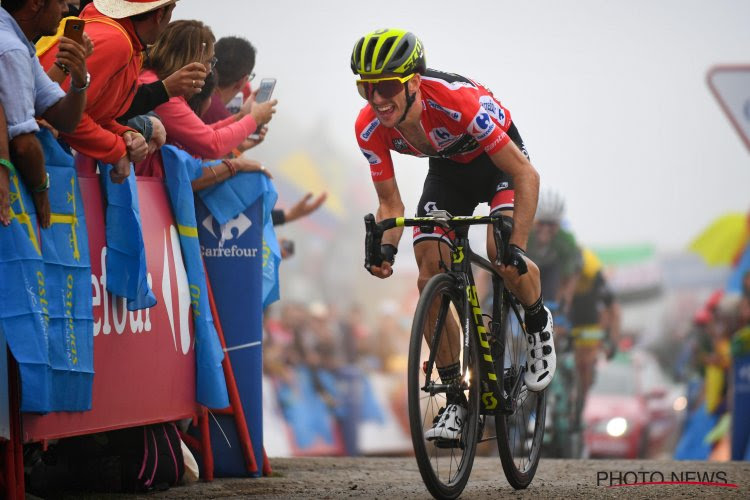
column 183, row 41
column 26, row 92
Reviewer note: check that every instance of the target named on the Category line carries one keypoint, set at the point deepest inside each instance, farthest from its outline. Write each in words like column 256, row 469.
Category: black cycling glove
column 388, row 252
column 515, row 257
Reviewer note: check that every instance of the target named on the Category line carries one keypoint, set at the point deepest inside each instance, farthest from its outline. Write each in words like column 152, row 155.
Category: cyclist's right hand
column 385, row 270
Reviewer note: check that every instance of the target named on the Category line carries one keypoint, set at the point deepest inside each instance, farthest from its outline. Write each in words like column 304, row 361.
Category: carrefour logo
column 232, row 230
column 365, row 135
column 481, row 125
column 371, row 156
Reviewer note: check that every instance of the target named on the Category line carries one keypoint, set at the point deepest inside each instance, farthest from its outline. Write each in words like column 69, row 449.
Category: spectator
column 235, row 60
column 6, row 168
column 26, row 91
column 181, row 42
column 120, row 31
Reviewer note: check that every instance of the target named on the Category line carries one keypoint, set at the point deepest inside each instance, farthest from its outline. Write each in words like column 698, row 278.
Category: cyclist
column 595, row 319
column 475, row 155
column 555, row 251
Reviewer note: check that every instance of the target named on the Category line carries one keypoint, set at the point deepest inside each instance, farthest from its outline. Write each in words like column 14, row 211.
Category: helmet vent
column 357, row 55
column 383, row 53
column 369, row 52
column 401, row 50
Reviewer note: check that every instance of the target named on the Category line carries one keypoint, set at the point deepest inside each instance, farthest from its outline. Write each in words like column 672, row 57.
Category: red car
column 632, row 410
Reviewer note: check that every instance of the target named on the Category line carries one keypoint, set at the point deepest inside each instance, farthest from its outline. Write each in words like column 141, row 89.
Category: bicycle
column 492, row 360
column 564, row 438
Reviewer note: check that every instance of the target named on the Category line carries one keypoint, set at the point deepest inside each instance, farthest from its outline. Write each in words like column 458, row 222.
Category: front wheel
column 439, row 340
column 521, row 432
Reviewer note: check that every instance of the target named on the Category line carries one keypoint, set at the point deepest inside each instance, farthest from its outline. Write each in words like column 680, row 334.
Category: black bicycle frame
column 498, row 392
column 496, row 397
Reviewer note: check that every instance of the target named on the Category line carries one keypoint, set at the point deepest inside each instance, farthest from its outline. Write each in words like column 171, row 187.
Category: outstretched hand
column 304, row 206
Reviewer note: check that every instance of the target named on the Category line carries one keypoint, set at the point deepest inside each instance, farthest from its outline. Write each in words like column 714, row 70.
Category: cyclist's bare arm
column 389, row 205
column 511, row 160
column 527, row 287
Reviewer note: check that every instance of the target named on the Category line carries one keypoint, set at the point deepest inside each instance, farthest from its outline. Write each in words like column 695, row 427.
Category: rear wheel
column 444, row 465
column 519, row 433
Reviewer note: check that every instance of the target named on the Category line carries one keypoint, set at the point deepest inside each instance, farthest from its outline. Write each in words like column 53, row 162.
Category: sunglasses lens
column 364, row 89
column 386, row 88
column 389, row 88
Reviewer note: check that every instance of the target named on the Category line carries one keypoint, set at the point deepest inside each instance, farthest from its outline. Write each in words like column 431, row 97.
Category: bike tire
column 444, row 471
column 519, row 434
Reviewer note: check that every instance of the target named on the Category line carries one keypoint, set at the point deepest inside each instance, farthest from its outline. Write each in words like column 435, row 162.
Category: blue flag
column 126, row 255
column 180, row 168
column 230, row 198
column 45, row 292
column 67, row 269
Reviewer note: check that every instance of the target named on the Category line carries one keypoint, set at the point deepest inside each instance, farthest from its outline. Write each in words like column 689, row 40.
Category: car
column 632, row 410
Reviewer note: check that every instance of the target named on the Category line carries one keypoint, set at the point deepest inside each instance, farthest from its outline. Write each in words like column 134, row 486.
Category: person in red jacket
column 120, row 31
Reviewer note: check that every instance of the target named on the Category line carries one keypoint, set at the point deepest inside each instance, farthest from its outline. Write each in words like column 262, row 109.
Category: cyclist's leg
column 442, row 191
column 586, row 354
column 541, row 361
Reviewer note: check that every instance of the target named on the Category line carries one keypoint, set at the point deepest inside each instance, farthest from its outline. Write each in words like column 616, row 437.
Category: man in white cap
column 120, row 31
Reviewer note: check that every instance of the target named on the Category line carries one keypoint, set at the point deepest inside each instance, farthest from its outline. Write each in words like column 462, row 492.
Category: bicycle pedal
column 447, row 443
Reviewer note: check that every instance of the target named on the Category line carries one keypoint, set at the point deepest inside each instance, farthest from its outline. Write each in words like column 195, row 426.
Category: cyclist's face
column 545, row 231
column 390, row 109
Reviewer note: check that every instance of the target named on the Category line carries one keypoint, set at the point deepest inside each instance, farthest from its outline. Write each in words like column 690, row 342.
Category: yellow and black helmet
column 388, row 51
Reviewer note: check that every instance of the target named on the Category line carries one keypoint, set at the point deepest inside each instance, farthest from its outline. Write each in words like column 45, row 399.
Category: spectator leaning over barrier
column 120, row 30
column 27, row 92
column 235, row 61
column 181, row 42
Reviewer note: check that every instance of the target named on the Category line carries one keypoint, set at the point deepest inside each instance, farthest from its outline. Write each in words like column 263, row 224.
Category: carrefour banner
column 228, row 200
column 232, row 218
column 45, row 297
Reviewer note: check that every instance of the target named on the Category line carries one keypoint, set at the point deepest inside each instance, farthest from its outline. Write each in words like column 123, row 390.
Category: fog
column 610, row 97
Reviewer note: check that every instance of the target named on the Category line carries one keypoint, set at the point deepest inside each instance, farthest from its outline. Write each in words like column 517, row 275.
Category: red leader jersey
column 462, row 120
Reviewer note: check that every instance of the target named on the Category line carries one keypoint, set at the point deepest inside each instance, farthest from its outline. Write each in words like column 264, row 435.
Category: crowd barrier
column 144, row 361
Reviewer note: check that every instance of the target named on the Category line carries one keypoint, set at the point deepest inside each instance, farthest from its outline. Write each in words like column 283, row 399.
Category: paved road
column 398, row 478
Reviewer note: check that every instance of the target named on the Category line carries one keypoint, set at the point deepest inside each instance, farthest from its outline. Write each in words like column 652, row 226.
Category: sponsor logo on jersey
column 442, row 137
column 454, row 115
column 497, row 141
column 493, row 108
column 481, row 125
column 400, row 145
column 371, row 156
column 501, row 186
column 367, row 132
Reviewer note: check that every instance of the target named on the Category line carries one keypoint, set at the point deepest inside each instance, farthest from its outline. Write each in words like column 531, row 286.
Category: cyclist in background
column 595, row 319
column 555, row 251
column 475, row 155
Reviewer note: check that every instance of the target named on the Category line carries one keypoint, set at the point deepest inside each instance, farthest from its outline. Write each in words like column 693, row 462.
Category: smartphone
column 264, row 94
column 265, row 89
column 74, row 30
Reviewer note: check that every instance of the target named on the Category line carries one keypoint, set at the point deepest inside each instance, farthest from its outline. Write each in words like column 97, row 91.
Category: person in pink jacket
column 183, row 42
